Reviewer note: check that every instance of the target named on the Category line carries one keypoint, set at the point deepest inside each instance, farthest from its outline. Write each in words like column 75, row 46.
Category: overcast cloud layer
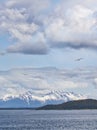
column 37, row 26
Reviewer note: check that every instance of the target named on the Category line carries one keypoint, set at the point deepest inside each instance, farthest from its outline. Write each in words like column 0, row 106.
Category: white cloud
column 18, row 81
column 75, row 29
column 71, row 23
column 35, row 45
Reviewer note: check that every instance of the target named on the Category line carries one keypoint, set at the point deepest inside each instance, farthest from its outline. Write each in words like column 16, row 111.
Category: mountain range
column 33, row 99
column 36, row 87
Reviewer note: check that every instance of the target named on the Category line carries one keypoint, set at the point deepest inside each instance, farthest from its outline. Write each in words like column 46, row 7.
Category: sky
column 48, row 33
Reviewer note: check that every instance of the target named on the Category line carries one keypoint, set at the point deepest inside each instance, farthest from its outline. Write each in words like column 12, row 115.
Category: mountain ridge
column 37, row 99
column 72, row 105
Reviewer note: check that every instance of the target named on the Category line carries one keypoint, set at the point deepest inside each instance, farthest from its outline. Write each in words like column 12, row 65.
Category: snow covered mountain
column 37, row 99
column 34, row 87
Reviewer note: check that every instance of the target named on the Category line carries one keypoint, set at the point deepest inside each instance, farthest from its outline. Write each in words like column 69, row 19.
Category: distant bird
column 79, row 59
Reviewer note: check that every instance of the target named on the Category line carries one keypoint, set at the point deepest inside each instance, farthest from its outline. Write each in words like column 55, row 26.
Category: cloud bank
column 18, row 81
column 37, row 26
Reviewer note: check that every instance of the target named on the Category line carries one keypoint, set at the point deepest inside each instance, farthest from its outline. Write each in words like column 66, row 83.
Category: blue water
column 48, row 120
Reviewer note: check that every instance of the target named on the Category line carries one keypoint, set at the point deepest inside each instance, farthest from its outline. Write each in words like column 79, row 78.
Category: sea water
column 48, row 120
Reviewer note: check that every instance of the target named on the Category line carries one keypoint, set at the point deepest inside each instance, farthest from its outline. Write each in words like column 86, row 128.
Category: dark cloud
column 36, row 49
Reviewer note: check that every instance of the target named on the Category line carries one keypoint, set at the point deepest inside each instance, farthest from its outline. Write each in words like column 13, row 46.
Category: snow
column 51, row 97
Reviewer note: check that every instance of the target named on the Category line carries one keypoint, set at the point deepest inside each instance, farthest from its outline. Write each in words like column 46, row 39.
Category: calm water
column 48, row 120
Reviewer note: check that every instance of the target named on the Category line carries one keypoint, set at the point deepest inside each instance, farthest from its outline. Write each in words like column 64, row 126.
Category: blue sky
column 55, row 33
